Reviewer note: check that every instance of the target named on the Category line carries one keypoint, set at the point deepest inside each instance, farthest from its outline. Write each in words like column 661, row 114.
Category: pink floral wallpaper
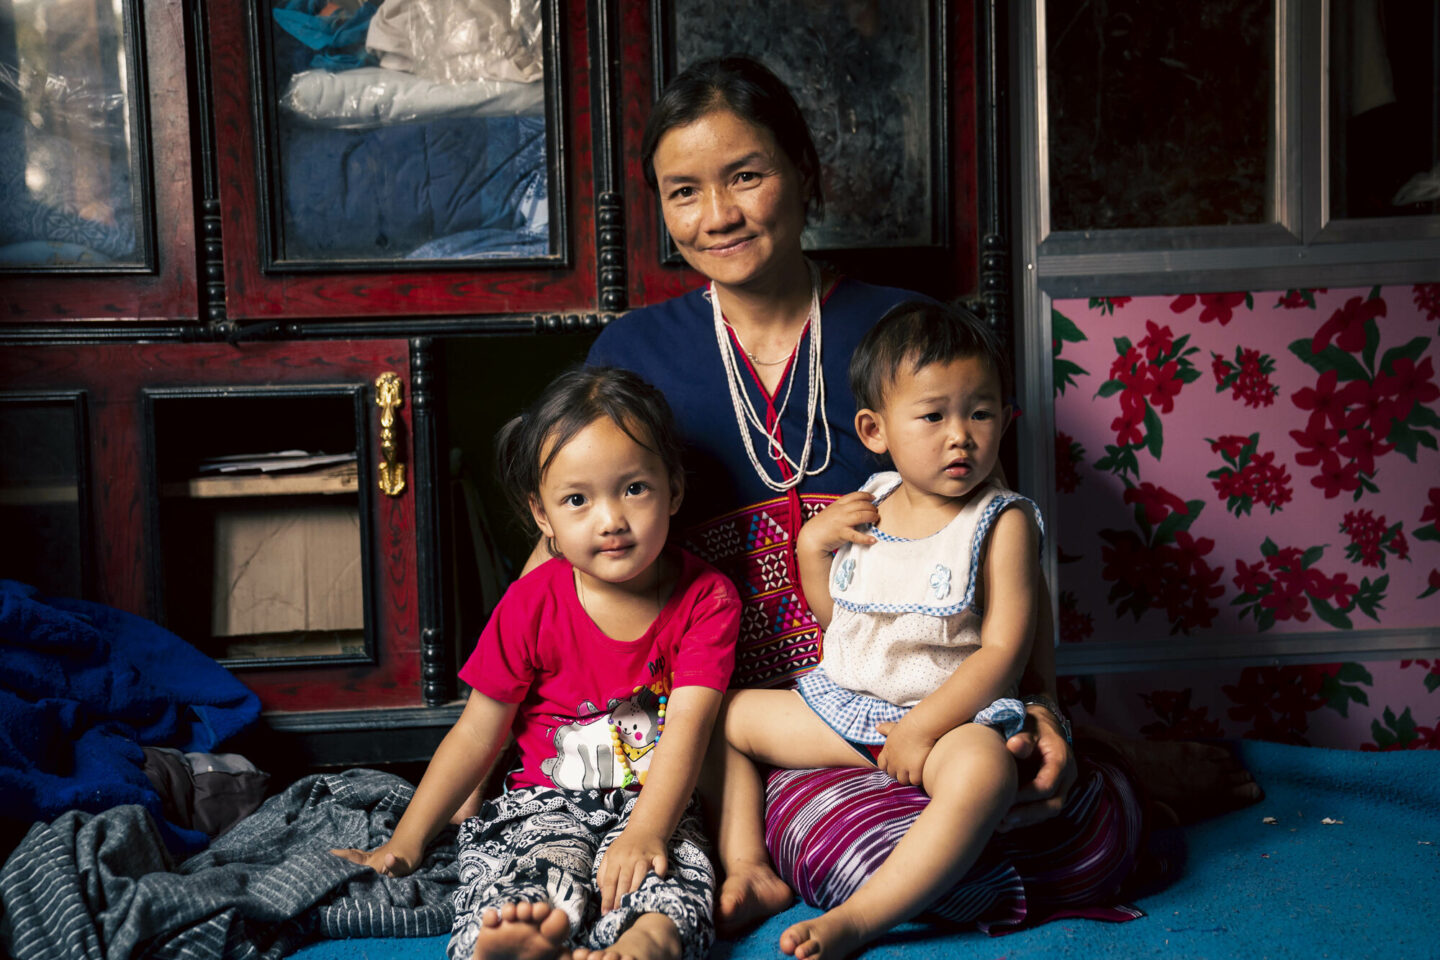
column 1251, row 463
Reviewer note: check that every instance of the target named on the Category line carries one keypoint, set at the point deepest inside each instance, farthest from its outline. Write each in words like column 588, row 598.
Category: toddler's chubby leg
column 769, row 726
column 522, row 931
column 971, row 779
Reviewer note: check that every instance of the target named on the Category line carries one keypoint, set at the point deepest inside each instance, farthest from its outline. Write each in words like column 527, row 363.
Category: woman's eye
column 574, row 500
column 637, row 488
column 747, row 176
column 682, row 193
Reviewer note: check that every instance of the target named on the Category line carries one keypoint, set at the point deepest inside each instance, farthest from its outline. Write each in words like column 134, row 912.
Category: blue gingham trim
column 850, row 714
column 982, row 528
column 854, row 715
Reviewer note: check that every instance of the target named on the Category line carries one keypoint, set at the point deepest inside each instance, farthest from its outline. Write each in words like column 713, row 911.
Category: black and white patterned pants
column 540, row 844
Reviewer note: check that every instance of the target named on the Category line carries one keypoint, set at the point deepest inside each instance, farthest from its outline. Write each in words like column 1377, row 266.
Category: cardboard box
column 286, row 569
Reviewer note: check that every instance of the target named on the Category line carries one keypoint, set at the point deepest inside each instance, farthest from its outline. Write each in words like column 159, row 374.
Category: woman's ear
column 871, row 431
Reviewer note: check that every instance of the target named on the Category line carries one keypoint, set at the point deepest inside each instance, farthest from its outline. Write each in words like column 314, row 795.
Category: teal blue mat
column 1364, row 887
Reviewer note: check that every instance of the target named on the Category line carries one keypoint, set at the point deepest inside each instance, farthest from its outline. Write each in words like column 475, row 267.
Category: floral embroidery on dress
column 940, row 581
column 845, row 574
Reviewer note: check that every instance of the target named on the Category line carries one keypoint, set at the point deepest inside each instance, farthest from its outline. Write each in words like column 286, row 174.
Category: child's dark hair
column 921, row 332
column 573, row 401
column 751, row 91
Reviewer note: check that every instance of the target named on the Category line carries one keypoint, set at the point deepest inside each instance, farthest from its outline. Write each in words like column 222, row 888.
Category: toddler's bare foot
column 751, row 892
column 833, row 935
column 522, row 931
column 651, row 937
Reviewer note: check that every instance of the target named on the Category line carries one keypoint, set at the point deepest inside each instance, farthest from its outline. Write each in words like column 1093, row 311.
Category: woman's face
column 732, row 199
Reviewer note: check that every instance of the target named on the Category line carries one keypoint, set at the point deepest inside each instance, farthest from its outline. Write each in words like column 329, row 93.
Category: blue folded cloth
column 83, row 687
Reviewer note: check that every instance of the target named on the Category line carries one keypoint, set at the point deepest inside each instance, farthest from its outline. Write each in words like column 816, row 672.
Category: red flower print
column 1230, row 445
column 1427, row 298
column 1220, row 306
column 1158, row 341
column 1434, row 584
column 1068, row 455
column 1319, row 446
column 1220, row 368
column 1074, row 625
column 1361, row 446
column 1408, row 385
column 1347, row 325
column 1287, row 600
column 1323, row 400
column 1177, row 719
column 1183, row 302
column 1157, row 502
column 1277, row 701
column 1167, row 386
column 1123, row 368
column 1335, row 479
column 1431, row 514
column 1250, row 578
column 1299, row 299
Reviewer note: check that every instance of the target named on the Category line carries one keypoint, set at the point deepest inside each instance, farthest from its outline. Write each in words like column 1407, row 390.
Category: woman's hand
column 1045, row 794
column 383, row 860
column 627, row 862
column 906, row 749
column 839, row 524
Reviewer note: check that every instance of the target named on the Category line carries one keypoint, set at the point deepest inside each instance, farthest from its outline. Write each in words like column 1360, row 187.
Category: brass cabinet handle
column 387, row 398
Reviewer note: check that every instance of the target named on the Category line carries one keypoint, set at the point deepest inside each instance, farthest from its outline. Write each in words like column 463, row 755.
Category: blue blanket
column 82, row 688
column 1362, row 887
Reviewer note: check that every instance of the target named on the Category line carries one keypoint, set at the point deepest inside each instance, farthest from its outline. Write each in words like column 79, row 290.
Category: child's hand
column 905, row 752
column 382, row 860
column 839, row 524
column 627, row 862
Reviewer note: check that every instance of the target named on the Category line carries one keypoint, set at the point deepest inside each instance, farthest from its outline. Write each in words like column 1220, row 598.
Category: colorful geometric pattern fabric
column 754, row 546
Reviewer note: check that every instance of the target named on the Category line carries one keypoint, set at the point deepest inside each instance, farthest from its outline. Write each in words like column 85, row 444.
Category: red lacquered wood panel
column 251, row 292
column 946, row 272
column 171, row 292
column 115, row 378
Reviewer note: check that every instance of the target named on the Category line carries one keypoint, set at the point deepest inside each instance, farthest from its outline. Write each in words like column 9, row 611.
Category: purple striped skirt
column 829, row 830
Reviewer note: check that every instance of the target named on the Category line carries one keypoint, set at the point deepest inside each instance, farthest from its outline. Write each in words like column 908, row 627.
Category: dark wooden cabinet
column 299, row 239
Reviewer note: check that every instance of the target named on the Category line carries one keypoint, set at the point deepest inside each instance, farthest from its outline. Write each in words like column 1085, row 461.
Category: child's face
column 607, row 502
column 941, row 425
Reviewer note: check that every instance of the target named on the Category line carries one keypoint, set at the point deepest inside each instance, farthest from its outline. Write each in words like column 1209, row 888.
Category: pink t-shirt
column 575, row 684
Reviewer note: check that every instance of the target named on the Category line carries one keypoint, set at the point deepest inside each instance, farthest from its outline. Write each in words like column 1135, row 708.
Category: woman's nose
column 721, row 210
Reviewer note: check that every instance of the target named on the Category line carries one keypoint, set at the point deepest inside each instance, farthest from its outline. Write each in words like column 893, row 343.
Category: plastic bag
column 457, row 41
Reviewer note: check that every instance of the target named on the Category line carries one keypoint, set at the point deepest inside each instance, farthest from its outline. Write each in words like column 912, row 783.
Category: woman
column 753, row 365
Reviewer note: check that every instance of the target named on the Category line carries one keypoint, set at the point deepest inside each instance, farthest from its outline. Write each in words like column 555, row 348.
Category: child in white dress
column 926, row 585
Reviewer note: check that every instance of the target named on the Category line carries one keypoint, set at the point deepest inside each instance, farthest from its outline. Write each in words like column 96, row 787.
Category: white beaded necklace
column 745, row 410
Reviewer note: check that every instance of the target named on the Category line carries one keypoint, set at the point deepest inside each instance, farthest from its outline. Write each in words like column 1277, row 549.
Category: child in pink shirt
column 607, row 663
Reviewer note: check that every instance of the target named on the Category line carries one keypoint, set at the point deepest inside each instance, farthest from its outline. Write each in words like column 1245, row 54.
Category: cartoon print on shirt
column 585, row 755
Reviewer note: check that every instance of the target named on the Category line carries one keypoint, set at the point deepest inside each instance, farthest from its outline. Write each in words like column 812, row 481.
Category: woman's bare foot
column 833, row 935
column 522, row 931
column 751, row 892
column 651, row 937
column 1187, row 780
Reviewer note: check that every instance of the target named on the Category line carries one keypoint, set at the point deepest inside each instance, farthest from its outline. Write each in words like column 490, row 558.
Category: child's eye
column 981, row 415
column 637, row 487
column 574, row 500
column 933, row 416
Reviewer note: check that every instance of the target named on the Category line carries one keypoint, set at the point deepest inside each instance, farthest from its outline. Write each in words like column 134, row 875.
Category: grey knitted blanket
column 102, row 887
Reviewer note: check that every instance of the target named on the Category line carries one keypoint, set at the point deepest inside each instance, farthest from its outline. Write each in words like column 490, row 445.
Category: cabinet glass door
column 72, row 179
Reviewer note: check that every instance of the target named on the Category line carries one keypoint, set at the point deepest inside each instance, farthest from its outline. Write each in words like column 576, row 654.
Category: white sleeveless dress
column 905, row 617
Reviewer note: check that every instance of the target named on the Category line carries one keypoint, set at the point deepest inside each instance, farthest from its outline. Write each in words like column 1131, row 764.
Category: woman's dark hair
column 922, row 332
column 748, row 88
column 573, row 401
